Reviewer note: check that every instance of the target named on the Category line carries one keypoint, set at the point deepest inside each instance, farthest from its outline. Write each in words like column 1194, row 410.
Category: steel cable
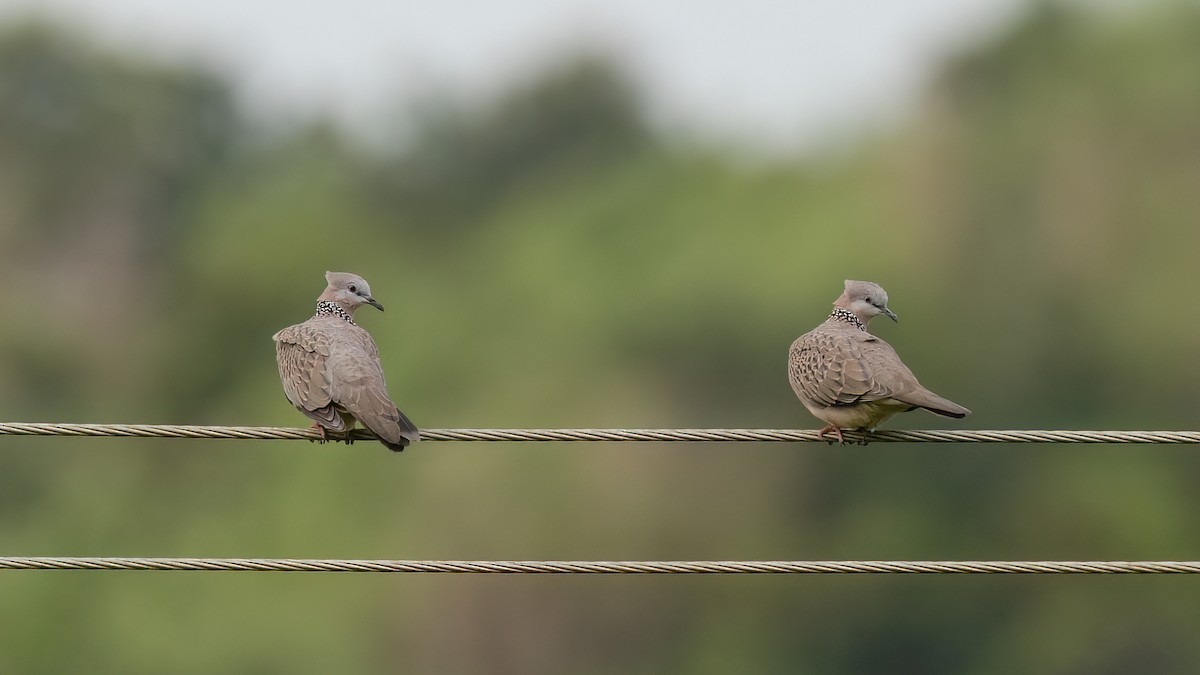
column 609, row 435
column 606, row 567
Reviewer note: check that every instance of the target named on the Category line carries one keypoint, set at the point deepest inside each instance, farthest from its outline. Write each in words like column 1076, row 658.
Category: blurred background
column 598, row 214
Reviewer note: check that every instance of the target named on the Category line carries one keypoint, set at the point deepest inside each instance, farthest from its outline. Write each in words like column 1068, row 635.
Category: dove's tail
column 933, row 403
column 393, row 427
column 408, row 431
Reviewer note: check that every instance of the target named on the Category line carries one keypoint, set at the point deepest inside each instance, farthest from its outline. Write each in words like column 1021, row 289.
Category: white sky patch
column 769, row 72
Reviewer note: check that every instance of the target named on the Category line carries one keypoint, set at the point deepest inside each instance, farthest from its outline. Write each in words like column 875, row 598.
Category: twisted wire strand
column 606, row 567
column 609, row 435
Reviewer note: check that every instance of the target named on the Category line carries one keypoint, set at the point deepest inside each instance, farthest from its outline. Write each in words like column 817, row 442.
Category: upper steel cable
column 609, row 435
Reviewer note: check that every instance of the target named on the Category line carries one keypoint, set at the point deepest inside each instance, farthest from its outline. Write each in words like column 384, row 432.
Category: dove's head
column 865, row 300
column 348, row 290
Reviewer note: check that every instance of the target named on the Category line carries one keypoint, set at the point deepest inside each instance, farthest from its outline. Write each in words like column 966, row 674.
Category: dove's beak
column 890, row 314
column 374, row 303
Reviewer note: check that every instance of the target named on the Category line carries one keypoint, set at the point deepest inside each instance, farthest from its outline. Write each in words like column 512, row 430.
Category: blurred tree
column 465, row 159
column 100, row 156
column 1067, row 149
column 110, row 132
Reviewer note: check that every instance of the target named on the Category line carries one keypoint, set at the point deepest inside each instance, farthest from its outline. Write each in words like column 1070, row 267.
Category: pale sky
column 773, row 72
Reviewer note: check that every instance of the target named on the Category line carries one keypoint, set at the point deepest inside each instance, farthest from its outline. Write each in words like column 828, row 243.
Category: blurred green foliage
column 549, row 259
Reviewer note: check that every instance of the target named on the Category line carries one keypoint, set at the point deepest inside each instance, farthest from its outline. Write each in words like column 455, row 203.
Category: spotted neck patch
column 327, row 308
column 843, row 315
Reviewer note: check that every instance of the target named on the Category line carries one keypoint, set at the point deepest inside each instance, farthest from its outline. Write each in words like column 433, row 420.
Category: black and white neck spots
column 846, row 316
column 327, row 308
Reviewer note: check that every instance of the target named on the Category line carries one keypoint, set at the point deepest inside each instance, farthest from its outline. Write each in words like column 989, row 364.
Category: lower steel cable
column 606, row 567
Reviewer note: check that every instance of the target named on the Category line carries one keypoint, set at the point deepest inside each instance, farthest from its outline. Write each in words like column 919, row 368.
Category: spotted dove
column 330, row 367
column 850, row 379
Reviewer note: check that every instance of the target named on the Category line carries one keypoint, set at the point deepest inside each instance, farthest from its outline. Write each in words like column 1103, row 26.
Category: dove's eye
column 353, row 289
